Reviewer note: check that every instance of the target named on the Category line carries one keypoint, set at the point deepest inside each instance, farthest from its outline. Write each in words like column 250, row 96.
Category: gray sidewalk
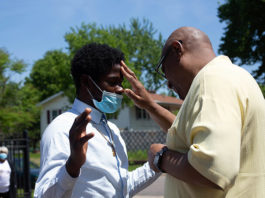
column 155, row 190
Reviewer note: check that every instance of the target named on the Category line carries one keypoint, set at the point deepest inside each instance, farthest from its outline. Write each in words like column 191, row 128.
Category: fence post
column 27, row 187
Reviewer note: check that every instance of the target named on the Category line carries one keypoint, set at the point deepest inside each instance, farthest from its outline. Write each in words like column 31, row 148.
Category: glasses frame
column 160, row 63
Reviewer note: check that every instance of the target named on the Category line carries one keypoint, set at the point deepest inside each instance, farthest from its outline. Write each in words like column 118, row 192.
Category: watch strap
column 158, row 157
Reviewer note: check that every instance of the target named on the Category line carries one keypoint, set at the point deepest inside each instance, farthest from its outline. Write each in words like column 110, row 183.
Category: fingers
column 135, row 83
column 127, row 70
column 82, row 120
column 128, row 74
column 132, row 95
column 85, row 138
column 83, row 116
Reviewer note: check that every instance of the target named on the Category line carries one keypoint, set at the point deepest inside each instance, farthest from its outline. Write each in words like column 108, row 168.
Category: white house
column 131, row 118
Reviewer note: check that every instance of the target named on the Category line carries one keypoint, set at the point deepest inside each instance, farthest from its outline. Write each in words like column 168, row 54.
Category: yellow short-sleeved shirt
column 221, row 125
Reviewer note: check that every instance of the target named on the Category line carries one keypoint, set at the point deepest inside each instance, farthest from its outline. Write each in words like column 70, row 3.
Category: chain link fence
column 141, row 140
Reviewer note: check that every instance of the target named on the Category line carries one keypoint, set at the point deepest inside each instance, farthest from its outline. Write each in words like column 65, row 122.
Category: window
column 141, row 114
column 48, row 117
column 54, row 113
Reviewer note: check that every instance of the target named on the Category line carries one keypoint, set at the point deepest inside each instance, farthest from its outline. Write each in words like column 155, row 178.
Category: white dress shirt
column 102, row 175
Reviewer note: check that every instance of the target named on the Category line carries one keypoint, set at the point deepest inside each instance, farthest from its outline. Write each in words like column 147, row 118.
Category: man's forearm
column 161, row 116
column 176, row 164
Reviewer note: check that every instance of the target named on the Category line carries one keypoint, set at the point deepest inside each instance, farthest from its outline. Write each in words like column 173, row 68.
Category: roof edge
column 49, row 98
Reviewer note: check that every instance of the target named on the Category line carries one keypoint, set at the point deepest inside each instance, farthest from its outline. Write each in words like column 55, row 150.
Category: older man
column 215, row 146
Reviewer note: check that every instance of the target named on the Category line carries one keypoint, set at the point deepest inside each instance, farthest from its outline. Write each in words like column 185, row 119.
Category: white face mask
column 109, row 103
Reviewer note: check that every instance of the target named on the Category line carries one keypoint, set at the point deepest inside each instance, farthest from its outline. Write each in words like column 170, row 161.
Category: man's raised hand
column 78, row 143
column 138, row 94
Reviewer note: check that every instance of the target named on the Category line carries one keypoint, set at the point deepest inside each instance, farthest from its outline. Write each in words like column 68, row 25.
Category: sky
column 29, row 28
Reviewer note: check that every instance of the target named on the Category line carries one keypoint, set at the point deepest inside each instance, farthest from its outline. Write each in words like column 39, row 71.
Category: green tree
column 244, row 36
column 18, row 111
column 8, row 67
column 50, row 74
column 14, row 117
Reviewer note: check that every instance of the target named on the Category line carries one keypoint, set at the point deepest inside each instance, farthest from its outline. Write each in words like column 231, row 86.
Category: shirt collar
column 80, row 106
column 218, row 59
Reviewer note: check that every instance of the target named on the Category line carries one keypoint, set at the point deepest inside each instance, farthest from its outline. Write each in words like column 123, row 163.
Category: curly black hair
column 95, row 60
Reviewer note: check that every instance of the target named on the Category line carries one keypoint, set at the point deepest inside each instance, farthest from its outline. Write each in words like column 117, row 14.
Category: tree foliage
column 17, row 108
column 244, row 36
column 50, row 74
column 8, row 67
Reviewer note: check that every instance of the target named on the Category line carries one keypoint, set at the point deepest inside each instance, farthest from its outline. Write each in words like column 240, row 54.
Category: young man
column 82, row 154
column 215, row 146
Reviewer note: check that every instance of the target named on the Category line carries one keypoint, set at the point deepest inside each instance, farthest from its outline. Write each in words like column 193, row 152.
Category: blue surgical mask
column 109, row 103
column 3, row 156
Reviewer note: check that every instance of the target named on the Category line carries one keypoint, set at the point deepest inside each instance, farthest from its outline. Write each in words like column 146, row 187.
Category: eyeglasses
column 159, row 67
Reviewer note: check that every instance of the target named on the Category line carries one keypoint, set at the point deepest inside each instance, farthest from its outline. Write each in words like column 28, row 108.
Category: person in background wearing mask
column 7, row 176
column 83, row 154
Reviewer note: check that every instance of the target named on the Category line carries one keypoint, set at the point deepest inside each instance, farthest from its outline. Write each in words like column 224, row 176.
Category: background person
column 7, row 175
column 215, row 145
column 83, row 154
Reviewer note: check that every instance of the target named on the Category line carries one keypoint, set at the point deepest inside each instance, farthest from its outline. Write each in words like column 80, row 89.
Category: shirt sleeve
column 214, row 131
column 140, row 178
column 53, row 180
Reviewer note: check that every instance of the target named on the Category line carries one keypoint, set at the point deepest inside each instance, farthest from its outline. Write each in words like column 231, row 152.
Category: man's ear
column 177, row 47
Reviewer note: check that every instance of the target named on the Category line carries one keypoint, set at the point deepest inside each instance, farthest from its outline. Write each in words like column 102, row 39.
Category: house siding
column 59, row 103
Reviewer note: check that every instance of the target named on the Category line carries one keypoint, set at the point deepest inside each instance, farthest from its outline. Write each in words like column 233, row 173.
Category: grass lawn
column 35, row 157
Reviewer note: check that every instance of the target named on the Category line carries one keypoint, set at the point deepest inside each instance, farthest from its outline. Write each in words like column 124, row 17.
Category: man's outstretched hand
column 143, row 100
column 78, row 143
column 138, row 94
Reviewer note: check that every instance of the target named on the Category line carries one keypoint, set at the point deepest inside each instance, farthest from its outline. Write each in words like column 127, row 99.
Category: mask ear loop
column 89, row 93
column 95, row 83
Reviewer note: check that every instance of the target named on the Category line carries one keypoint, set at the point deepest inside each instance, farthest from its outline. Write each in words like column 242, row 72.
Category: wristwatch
column 158, row 157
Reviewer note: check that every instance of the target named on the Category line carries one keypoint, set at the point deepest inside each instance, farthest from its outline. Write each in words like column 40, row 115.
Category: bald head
column 192, row 38
column 187, row 50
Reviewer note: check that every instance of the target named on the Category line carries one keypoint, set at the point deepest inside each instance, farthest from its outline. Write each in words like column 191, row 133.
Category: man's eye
column 113, row 83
